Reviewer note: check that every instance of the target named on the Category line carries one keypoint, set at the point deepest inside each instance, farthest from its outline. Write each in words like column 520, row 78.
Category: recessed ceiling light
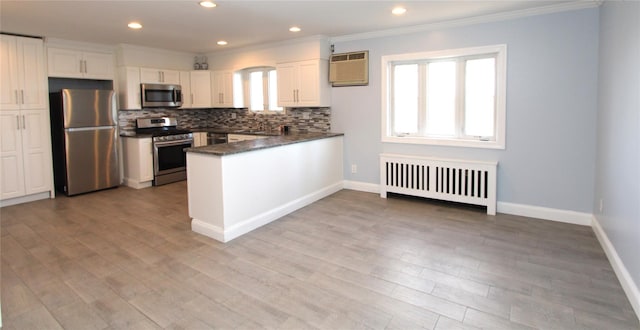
column 221, row 42
column 398, row 10
column 295, row 29
column 207, row 4
column 134, row 25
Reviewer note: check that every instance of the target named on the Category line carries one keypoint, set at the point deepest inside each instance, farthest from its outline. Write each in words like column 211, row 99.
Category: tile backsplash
column 299, row 119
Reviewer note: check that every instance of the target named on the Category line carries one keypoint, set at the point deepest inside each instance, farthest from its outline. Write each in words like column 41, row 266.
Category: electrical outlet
column 233, row 115
column 354, row 168
column 305, row 115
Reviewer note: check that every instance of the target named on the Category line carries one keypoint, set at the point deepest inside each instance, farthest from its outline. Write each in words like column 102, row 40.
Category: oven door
column 169, row 156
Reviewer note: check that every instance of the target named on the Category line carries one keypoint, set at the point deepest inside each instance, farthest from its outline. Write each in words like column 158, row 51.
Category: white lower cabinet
column 25, row 153
column 199, row 139
column 138, row 162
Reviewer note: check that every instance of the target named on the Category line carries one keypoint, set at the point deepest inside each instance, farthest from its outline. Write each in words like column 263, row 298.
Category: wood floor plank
column 127, row 259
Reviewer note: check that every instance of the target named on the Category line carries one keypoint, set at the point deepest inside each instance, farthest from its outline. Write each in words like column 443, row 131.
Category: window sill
column 444, row 142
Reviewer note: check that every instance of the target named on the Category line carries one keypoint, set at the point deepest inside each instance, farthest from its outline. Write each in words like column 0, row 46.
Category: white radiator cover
column 456, row 180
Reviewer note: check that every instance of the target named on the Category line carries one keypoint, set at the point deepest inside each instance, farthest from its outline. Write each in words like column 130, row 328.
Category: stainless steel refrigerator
column 84, row 134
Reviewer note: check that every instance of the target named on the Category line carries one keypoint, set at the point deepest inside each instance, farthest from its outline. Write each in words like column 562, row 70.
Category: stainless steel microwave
column 160, row 95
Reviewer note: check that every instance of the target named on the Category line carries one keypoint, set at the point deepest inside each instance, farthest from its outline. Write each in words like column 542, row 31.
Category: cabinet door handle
column 221, row 98
column 18, row 122
column 191, row 98
column 17, row 99
column 22, row 95
column 24, row 122
column 85, row 67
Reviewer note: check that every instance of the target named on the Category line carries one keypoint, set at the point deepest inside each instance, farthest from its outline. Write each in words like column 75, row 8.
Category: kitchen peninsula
column 235, row 188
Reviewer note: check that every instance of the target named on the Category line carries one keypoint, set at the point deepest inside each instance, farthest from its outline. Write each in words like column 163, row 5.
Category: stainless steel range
column 169, row 142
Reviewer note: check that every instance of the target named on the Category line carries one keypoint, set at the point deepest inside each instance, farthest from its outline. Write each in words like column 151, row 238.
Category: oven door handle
column 172, row 143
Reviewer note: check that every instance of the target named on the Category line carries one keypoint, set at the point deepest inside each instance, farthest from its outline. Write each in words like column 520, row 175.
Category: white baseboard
column 243, row 227
column 26, row 199
column 207, row 229
column 362, row 186
column 628, row 285
column 545, row 213
column 137, row 185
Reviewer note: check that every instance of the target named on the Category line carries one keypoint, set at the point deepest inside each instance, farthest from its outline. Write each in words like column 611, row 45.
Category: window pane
column 441, row 98
column 480, row 94
column 405, row 98
column 273, row 91
column 255, row 91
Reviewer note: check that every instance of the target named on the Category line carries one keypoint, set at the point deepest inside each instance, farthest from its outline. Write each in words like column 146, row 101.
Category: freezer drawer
column 91, row 159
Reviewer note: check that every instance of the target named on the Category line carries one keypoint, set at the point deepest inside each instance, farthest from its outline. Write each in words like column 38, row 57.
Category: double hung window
column 261, row 89
column 455, row 97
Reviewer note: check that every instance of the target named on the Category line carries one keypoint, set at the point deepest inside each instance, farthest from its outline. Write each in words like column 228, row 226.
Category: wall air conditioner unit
column 349, row 69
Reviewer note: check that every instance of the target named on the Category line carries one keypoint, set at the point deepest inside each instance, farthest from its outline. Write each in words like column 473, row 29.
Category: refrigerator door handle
column 91, row 128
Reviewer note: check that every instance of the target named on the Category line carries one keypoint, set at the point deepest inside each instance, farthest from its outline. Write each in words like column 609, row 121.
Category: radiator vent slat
column 462, row 181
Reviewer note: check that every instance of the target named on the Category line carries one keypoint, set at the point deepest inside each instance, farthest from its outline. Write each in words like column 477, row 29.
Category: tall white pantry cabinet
column 25, row 141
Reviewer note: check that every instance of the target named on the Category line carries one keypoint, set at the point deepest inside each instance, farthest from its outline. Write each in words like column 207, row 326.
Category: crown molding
column 125, row 47
column 267, row 45
column 556, row 8
column 78, row 45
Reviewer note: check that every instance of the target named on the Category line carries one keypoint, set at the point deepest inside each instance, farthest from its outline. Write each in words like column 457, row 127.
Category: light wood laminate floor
column 127, row 259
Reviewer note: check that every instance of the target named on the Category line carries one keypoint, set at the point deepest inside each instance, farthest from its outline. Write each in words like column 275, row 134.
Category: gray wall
column 552, row 63
column 618, row 152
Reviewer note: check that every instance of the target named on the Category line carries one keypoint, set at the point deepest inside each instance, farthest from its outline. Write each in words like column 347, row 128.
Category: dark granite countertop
column 251, row 145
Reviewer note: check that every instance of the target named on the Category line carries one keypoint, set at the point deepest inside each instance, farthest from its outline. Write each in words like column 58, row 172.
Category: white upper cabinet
column 185, row 83
column 200, row 89
column 159, row 76
column 70, row 63
column 222, row 85
column 138, row 162
column 304, row 84
column 129, row 88
column 24, row 83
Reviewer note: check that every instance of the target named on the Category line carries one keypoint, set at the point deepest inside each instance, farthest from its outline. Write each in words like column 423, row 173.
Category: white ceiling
column 183, row 25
